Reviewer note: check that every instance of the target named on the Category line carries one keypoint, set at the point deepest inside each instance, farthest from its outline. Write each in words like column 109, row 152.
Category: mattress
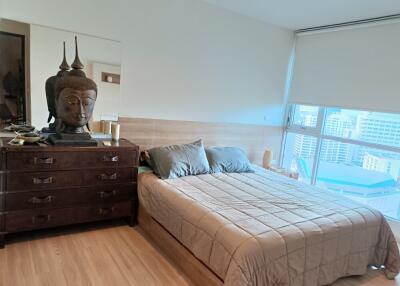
column 265, row 229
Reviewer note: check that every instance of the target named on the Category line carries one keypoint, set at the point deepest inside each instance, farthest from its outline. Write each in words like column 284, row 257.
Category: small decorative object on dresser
column 43, row 187
column 115, row 131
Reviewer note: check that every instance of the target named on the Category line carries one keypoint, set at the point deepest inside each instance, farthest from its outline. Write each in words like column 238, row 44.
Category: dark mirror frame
column 22, row 37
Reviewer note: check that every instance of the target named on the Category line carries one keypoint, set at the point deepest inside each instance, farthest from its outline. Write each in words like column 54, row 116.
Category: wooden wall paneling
column 254, row 139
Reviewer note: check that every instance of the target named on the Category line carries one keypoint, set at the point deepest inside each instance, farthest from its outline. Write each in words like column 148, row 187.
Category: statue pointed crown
column 77, row 64
column 76, row 78
column 64, row 65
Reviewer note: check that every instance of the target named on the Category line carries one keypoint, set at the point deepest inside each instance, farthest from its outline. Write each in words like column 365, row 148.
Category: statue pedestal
column 48, row 130
column 65, row 139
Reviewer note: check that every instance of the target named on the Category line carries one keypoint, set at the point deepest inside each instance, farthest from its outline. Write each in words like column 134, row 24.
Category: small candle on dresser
column 267, row 159
column 107, row 127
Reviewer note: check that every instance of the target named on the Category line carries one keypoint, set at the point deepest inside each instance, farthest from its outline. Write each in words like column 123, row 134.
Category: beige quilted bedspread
column 265, row 229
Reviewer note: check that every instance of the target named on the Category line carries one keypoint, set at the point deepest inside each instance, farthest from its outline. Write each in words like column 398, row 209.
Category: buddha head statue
column 75, row 96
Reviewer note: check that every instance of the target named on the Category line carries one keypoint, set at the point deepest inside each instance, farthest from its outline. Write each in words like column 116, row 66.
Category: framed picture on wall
column 12, row 79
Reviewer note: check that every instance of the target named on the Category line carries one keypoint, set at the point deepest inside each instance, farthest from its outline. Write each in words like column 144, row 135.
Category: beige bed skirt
column 193, row 268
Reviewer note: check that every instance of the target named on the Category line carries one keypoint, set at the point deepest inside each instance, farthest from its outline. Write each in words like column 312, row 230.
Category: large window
column 352, row 152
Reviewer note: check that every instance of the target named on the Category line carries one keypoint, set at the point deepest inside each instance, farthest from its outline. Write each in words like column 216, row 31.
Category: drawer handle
column 41, row 200
column 40, row 181
column 106, row 211
column 41, row 219
column 43, row 161
column 110, row 158
column 108, row 177
column 107, row 194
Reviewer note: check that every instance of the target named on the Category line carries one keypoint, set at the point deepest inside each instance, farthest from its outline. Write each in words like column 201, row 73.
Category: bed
column 266, row 229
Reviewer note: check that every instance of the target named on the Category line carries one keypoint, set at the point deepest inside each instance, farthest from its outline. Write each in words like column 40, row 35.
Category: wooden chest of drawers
column 51, row 186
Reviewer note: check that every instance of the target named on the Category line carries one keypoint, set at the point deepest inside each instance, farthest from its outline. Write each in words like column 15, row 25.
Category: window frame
column 318, row 133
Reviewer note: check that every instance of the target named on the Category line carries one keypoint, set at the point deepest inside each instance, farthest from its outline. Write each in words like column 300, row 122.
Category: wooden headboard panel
column 254, row 139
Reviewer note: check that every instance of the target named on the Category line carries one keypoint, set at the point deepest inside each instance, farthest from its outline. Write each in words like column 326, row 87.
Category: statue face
column 75, row 107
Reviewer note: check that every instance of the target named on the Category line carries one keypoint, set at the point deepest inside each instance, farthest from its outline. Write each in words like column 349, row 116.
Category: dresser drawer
column 34, row 219
column 39, row 160
column 104, row 211
column 69, row 197
column 43, row 218
column 21, row 181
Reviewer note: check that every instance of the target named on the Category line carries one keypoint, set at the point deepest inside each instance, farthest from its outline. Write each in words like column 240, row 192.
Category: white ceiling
column 298, row 14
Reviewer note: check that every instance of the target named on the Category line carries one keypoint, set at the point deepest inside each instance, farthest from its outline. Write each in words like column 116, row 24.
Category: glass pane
column 305, row 115
column 366, row 175
column 372, row 127
column 299, row 155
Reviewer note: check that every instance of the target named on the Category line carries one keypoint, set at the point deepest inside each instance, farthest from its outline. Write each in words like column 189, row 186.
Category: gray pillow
column 179, row 160
column 228, row 160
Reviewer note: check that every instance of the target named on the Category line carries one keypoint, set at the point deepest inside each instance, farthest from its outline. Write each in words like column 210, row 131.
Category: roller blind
column 354, row 68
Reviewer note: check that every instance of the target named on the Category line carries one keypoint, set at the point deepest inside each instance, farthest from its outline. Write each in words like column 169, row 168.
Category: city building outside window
column 352, row 152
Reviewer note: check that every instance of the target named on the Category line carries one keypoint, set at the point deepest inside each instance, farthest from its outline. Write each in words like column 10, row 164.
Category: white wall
column 108, row 94
column 198, row 62
column 181, row 59
column 46, row 56
column 94, row 17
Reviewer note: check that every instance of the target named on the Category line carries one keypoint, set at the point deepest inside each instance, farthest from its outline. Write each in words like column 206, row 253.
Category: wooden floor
column 103, row 254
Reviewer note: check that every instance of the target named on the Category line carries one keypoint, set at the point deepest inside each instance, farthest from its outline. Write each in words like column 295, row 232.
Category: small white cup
column 115, row 129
